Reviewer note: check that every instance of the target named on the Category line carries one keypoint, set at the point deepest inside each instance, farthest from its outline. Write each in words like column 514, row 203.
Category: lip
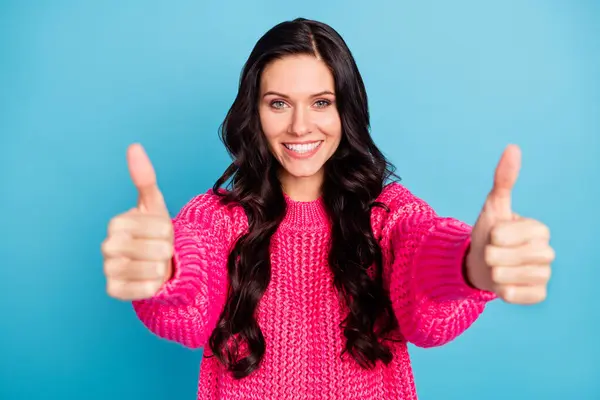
column 305, row 142
column 302, row 156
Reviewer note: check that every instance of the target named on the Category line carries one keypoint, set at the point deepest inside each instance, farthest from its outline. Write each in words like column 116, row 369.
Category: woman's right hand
column 138, row 249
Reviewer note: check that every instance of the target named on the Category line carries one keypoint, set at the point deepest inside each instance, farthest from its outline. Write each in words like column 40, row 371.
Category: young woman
column 307, row 277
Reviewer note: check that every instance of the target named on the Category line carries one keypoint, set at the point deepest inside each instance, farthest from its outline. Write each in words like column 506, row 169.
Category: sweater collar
column 305, row 214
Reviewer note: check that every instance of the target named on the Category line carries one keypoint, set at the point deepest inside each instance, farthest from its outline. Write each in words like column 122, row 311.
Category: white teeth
column 302, row 148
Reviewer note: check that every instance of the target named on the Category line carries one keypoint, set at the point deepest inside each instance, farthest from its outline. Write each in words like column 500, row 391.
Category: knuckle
column 114, row 245
column 115, row 290
column 505, row 293
column 113, row 224
column 141, row 270
column 498, row 234
column 545, row 274
column 541, row 294
column 544, row 231
column 538, row 231
column 166, row 228
column 541, row 229
column 551, row 254
column 160, row 270
column 534, row 276
column 108, row 267
column 103, row 247
column 489, row 255
column 121, row 268
column 154, row 250
column 148, row 270
column 107, row 247
column 149, row 289
column 497, row 275
column 117, row 223
column 165, row 250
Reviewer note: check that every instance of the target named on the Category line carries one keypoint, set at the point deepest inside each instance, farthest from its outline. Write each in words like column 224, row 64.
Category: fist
column 509, row 255
column 138, row 248
column 137, row 255
column 519, row 257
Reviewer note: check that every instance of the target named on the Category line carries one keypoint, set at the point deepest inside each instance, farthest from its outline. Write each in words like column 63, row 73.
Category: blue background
column 450, row 84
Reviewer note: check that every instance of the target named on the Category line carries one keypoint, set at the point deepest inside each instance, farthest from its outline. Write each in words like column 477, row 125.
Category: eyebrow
column 272, row 93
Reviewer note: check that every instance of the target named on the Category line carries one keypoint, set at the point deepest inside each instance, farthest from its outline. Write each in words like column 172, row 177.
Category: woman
column 307, row 278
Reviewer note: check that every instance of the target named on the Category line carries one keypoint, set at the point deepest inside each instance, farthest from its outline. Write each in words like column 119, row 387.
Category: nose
column 300, row 124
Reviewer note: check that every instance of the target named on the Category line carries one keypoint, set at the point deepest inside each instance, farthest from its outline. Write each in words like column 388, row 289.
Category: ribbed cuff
column 173, row 291
column 439, row 263
column 189, row 274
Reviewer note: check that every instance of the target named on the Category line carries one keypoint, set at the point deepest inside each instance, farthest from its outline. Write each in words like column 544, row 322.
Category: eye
column 278, row 104
column 322, row 103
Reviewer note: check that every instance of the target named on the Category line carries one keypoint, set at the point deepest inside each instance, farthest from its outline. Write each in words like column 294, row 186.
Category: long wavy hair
column 354, row 176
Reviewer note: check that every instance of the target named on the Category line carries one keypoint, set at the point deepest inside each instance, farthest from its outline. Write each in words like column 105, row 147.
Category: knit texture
column 300, row 312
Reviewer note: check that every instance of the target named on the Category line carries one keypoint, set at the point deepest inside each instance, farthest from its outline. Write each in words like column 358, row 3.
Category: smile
column 303, row 148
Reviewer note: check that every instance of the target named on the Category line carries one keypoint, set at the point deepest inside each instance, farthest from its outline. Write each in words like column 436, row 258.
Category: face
column 299, row 116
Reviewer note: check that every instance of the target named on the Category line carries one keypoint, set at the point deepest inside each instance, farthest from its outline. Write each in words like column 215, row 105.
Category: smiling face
column 299, row 119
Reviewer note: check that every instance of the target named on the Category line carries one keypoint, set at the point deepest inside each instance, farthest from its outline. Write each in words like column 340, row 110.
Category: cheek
column 272, row 127
column 330, row 125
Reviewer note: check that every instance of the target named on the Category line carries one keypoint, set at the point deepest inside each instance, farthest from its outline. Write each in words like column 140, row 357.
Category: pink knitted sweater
column 300, row 313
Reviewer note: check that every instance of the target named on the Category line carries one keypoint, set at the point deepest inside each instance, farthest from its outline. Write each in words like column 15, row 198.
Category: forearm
column 433, row 302
column 186, row 308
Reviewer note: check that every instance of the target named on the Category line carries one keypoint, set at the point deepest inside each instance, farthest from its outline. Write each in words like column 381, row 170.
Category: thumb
column 505, row 178
column 150, row 198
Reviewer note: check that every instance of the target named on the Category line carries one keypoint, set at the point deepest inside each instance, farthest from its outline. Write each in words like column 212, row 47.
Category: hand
column 509, row 255
column 139, row 246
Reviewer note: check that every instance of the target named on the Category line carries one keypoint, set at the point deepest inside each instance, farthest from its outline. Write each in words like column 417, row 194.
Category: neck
column 302, row 188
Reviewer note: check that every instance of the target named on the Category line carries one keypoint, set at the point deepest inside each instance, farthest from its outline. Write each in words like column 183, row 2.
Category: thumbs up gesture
column 139, row 245
column 509, row 255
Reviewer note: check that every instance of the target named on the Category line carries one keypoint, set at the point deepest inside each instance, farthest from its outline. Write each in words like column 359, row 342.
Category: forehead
column 302, row 74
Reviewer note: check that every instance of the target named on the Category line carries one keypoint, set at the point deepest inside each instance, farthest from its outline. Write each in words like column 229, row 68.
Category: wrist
column 169, row 271
column 474, row 272
column 465, row 270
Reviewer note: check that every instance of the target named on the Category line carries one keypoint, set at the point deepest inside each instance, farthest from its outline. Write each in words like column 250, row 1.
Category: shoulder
column 207, row 211
column 396, row 202
column 393, row 193
column 396, row 196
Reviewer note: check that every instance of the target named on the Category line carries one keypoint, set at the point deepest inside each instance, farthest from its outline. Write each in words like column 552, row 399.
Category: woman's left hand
column 509, row 255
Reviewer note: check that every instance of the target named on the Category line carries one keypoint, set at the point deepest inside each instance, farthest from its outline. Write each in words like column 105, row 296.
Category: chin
column 303, row 171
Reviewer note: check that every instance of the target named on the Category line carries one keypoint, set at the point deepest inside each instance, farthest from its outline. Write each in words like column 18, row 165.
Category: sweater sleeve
column 431, row 299
column 186, row 309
